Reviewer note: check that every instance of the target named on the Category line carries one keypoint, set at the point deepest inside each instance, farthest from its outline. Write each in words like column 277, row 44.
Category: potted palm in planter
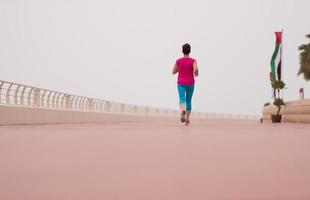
column 277, row 85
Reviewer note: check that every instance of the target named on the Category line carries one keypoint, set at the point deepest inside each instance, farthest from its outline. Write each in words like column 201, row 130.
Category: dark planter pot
column 276, row 118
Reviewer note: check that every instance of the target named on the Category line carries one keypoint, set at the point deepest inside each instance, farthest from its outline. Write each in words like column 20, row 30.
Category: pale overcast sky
column 124, row 50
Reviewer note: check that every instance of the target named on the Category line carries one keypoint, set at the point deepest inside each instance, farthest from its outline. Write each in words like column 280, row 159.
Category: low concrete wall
column 15, row 115
column 293, row 111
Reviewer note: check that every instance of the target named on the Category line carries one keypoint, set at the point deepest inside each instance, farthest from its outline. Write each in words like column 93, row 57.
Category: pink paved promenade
column 156, row 160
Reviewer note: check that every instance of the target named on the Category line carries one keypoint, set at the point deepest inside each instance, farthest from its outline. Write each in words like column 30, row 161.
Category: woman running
column 186, row 68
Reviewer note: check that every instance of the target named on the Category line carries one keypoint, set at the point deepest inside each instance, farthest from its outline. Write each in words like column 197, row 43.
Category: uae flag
column 276, row 58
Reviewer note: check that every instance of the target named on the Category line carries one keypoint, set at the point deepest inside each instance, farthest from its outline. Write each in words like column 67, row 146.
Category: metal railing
column 24, row 95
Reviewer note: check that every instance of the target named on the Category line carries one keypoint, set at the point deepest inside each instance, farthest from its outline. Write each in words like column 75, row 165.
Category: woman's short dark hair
column 186, row 48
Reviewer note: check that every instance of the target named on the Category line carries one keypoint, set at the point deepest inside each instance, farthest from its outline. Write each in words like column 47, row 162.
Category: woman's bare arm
column 175, row 69
column 195, row 68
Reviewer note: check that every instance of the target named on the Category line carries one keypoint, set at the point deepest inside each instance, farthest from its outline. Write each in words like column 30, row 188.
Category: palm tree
column 305, row 60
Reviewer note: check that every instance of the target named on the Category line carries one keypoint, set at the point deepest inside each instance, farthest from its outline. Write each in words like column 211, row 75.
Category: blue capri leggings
column 185, row 95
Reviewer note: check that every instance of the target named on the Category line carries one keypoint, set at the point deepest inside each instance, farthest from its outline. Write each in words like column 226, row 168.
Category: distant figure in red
column 301, row 93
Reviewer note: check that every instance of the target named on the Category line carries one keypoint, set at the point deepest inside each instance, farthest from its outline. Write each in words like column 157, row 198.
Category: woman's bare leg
column 182, row 106
column 183, row 112
column 188, row 113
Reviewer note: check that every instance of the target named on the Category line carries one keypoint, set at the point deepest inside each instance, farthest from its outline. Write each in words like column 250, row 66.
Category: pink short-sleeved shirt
column 185, row 71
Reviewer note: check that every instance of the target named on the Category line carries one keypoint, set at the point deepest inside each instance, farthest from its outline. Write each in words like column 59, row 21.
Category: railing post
column 1, row 85
column 43, row 98
column 90, row 105
column 135, row 110
column 8, row 93
column 122, row 108
column 16, row 94
column 100, row 108
column 80, row 103
column 53, row 101
column 146, row 111
column 95, row 104
column 74, row 102
column 107, row 106
column 36, row 98
column 57, row 100
column 68, row 104
column 22, row 96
